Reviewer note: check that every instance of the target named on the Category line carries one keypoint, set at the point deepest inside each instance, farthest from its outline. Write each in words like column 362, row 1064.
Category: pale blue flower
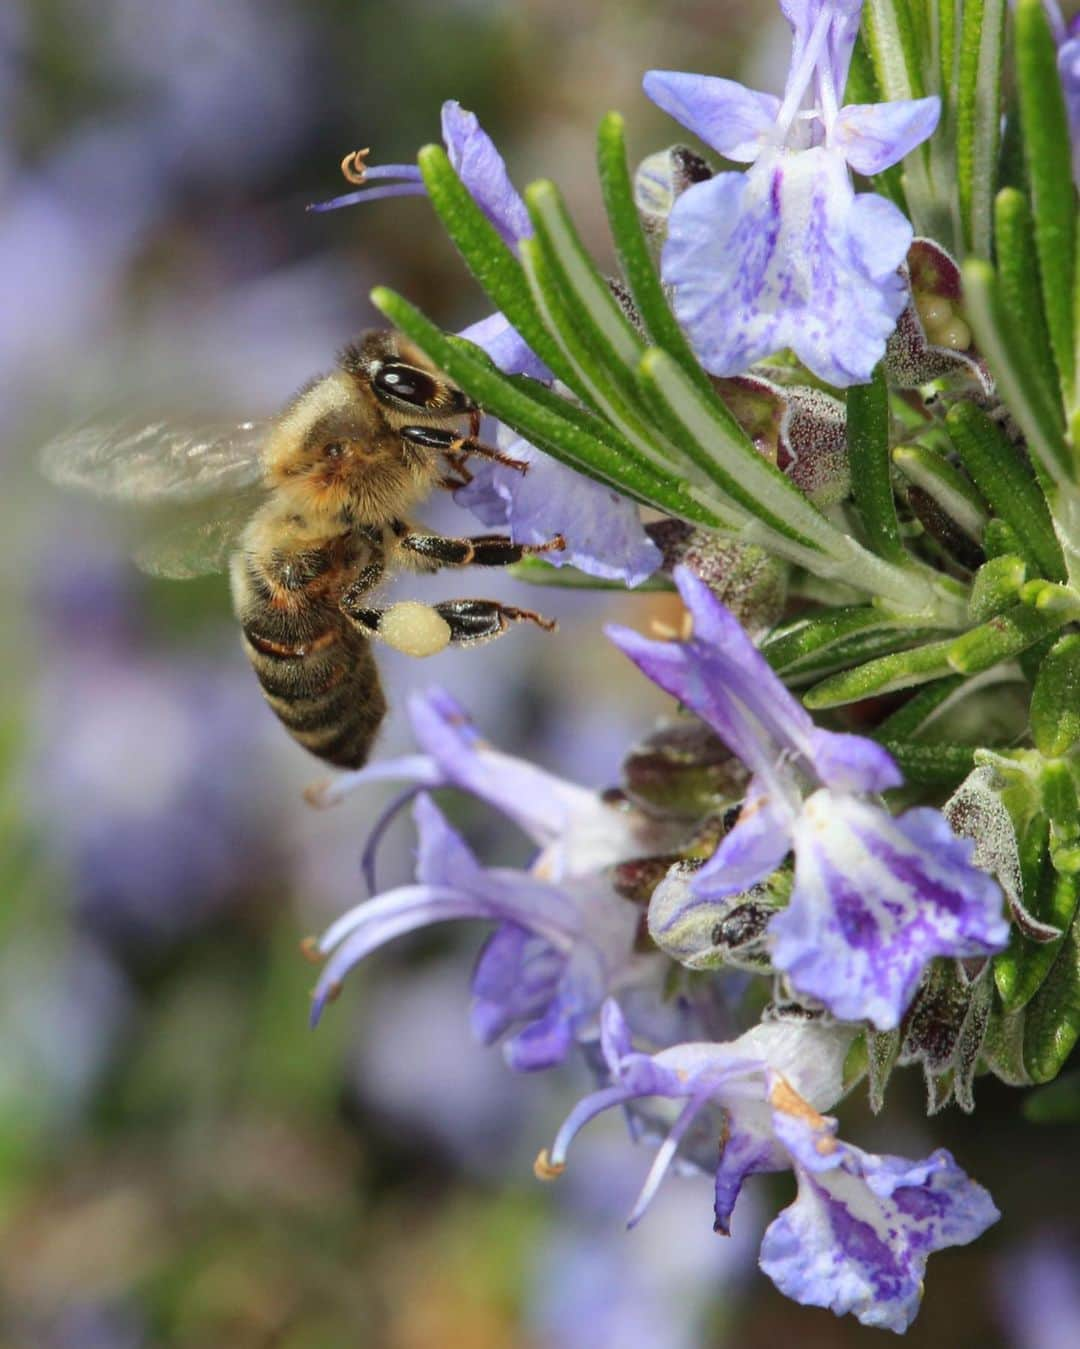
column 786, row 255
column 563, row 939
column 557, row 951
column 875, row 897
column 858, row 1235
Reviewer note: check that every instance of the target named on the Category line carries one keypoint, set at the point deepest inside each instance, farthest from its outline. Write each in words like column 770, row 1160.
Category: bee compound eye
column 405, row 384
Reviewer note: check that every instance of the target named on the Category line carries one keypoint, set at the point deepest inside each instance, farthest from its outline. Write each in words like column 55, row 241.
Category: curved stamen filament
column 353, row 168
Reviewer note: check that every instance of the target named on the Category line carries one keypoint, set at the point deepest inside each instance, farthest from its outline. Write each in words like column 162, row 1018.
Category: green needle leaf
column 563, row 436
column 1018, row 278
column 978, row 118
column 585, row 294
column 907, row 721
column 1052, row 1024
column 787, row 647
column 1003, row 478
column 1004, row 346
column 1047, row 154
column 949, row 487
column 902, row 670
column 798, row 530
column 487, row 256
column 633, row 251
column 1049, row 897
column 1055, row 700
column 937, row 765
column 871, row 476
column 732, row 463
column 1001, row 638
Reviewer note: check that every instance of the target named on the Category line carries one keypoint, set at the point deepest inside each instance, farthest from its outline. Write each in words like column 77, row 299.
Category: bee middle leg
column 480, row 550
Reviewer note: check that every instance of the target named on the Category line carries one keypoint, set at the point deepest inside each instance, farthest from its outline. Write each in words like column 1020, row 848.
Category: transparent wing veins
column 157, row 462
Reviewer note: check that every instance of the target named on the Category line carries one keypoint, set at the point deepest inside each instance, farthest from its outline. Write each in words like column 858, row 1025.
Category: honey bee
column 309, row 512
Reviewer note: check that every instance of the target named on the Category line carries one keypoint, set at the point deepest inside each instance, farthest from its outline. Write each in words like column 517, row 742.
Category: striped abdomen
column 316, row 671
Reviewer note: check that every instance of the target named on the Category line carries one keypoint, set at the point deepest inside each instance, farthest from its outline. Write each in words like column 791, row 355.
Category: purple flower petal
column 875, row 899
column 1069, row 69
column 786, row 255
column 554, row 813
column 852, row 763
column 506, row 347
column 873, row 136
column 516, row 978
column 483, row 171
column 745, row 1151
column 736, row 121
column 603, row 530
column 858, row 1236
column 543, row 1044
column 752, row 851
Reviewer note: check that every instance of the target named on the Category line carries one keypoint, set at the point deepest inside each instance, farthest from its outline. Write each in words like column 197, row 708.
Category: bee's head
column 407, row 388
column 337, row 448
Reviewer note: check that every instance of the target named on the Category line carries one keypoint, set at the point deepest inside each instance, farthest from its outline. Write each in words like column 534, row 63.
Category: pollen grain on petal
column 784, row 1097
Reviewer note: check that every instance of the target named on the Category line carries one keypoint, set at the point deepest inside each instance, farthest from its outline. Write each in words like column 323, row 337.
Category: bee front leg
column 457, row 448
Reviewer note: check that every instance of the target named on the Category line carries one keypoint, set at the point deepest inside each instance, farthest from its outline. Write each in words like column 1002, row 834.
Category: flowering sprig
column 564, row 939
column 875, row 896
column 787, row 254
column 858, row 1235
column 858, row 359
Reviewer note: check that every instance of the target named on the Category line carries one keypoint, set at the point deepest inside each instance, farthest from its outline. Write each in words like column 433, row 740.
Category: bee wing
column 157, row 462
column 195, row 540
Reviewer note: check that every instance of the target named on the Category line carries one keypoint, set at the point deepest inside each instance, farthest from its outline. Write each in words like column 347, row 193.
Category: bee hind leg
column 423, row 629
column 473, row 622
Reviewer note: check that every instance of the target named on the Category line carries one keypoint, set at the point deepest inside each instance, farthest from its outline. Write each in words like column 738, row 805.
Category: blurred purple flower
column 63, row 1011
column 786, row 254
column 652, row 1287
column 875, row 896
column 1039, row 1292
column 140, row 767
column 858, row 1235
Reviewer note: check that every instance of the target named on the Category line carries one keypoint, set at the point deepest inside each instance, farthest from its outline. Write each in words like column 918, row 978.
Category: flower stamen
column 353, row 168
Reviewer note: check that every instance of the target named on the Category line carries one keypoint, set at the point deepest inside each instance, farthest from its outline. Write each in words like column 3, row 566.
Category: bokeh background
column 182, row 1163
